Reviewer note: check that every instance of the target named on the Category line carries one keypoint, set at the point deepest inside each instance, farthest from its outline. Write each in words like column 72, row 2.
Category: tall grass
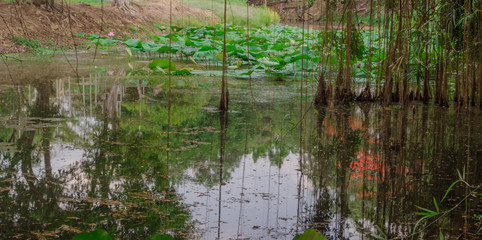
column 236, row 12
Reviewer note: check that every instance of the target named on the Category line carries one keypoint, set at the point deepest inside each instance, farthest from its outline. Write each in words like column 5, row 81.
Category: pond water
column 95, row 146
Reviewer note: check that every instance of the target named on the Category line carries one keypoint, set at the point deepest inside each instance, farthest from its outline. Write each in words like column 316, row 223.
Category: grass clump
column 27, row 42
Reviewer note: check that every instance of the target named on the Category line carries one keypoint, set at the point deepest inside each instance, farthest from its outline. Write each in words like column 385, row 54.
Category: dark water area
column 105, row 151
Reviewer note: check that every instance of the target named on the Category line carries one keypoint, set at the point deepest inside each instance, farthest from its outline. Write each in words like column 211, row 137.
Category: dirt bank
column 57, row 26
column 295, row 11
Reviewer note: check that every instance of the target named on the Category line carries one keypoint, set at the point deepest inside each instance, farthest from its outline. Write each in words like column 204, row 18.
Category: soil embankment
column 295, row 11
column 56, row 27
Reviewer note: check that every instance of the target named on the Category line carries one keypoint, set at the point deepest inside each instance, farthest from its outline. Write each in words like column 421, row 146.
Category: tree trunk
column 480, row 56
column 320, row 97
column 346, row 94
column 479, row 90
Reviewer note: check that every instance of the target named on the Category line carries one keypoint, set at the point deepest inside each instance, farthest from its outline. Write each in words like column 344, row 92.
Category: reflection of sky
column 267, row 210
column 269, row 207
column 258, row 213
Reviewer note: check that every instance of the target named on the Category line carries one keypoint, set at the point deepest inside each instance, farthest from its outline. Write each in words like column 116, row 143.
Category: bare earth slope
column 56, row 27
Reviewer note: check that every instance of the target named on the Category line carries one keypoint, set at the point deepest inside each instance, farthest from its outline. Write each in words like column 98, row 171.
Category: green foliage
column 183, row 72
column 99, row 234
column 161, row 64
column 311, row 234
column 278, row 50
column 357, row 45
column 27, row 42
column 161, row 237
column 380, row 236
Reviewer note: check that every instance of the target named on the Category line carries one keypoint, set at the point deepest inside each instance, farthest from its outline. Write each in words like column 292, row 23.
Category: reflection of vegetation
column 369, row 166
column 101, row 234
column 109, row 190
column 122, row 184
column 379, row 170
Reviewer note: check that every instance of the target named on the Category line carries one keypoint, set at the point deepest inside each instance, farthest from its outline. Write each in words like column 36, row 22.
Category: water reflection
column 116, row 152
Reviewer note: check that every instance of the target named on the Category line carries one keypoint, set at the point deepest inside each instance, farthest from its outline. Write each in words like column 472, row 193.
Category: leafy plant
column 162, row 64
column 27, row 42
column 311, row 234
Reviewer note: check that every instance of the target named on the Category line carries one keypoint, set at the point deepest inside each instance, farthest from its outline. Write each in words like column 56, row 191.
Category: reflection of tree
column 110, row 190
column 223, row 122
column 126, row 180
column 404, row 161
column 33, row 197
column 323, row 208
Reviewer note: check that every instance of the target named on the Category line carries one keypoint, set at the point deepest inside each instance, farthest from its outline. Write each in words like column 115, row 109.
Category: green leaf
column 436, row 205
column 448, row 190
column 441, row 236
column 247, row 73
column 176, row 28
column 183, row 72
column 132, row 42
column 162, row 63
column 373, row 235
column 311, row 234
column 426, row 210
column 93, row 36
column 160, row 27
column 418, row 222
column 99, row 234
column 80, row 34
column 161, row 237
column 380, row 230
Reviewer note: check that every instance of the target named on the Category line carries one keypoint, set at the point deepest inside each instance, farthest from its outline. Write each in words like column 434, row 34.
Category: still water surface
column 103, row 150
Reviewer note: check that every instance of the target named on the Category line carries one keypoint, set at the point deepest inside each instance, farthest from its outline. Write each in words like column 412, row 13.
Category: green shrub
column 27, row 42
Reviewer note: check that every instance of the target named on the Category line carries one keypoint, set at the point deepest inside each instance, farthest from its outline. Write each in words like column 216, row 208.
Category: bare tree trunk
column 346, row 94
column 320, row 97
column 426, row 78
column 388, row 87
column 480, row 56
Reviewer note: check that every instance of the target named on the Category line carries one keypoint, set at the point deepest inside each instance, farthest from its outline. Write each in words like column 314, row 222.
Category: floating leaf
column 160, row 27
column 162, row 63
column 311, row 234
